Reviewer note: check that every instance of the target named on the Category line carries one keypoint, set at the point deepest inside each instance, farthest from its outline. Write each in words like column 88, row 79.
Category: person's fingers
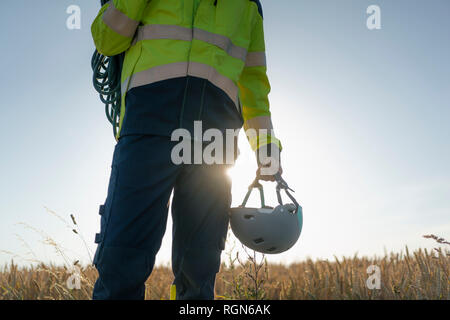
column 260, row 176
column 267, row 178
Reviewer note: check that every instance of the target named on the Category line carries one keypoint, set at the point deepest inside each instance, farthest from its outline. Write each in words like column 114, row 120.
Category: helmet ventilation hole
column 271, row 249
column 249, row 217
column 258, row 241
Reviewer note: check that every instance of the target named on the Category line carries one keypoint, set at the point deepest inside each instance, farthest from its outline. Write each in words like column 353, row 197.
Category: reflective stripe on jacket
column 221, row 41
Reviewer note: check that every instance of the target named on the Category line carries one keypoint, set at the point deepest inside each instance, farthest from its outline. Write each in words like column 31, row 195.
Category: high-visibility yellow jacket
column 217, row 44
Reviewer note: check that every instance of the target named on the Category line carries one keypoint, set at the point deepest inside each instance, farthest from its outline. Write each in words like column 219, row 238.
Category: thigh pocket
column 105, row 213
column 99, row 236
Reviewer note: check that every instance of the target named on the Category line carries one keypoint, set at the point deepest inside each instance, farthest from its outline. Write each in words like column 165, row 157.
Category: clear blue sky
column 363, row 116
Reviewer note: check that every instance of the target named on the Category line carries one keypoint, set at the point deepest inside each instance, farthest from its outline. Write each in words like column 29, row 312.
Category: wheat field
column 417, row 275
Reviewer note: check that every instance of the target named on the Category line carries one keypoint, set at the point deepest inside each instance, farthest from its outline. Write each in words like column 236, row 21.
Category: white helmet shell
column 268, row 230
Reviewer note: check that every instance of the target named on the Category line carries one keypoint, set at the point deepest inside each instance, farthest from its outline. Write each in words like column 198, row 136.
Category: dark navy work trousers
column 134, row 216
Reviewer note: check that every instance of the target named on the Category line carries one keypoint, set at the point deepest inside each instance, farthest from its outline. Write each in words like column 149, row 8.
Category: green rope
column 106, row 80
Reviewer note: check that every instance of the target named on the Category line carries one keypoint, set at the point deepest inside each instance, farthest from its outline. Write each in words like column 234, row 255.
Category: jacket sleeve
column 115, row 25
column 254, row 88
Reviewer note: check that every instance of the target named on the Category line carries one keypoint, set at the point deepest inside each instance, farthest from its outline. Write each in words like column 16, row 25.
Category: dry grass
column 419, row 275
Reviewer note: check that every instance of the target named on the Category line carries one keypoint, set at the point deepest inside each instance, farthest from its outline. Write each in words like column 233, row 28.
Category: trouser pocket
column 105, row 213
column 99, row 236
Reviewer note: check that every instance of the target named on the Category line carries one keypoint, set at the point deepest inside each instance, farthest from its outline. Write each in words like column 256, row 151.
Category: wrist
column 262, row 138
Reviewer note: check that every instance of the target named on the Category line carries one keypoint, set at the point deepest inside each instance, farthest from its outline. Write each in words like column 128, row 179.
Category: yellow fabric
column 225, row 32
column 258, row 141
column 173, row 292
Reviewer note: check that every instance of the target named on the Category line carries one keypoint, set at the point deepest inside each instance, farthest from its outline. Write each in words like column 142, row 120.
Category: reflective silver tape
column 182, row 69
column 119, row 21
column 155, row 74
column 256, row 59
column 161, row 31
column 257, row 123
column 222, row 42
column 205, row 71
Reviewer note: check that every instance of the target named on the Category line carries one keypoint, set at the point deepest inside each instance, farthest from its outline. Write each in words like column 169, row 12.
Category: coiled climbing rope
column 106, row 80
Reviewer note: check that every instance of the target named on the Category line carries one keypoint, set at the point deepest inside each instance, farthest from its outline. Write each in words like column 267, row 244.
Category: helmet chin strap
column 255, row 185
column 281, row 185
